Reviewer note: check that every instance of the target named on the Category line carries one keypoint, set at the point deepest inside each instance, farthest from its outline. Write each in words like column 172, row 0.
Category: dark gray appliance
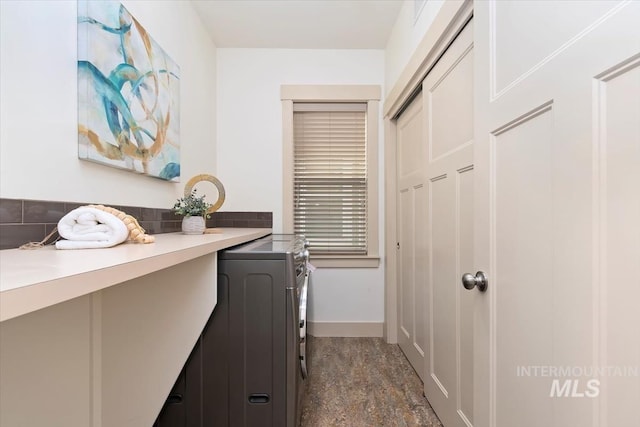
column 250, row 363
column 266, row 279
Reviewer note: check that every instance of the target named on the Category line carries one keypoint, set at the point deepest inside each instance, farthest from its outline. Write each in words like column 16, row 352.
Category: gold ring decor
column 212, row 179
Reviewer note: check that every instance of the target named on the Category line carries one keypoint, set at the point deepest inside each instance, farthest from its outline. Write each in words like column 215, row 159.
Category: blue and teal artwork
column 128, row 94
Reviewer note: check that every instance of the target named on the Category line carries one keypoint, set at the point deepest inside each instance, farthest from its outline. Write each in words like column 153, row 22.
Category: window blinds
column 330, row 177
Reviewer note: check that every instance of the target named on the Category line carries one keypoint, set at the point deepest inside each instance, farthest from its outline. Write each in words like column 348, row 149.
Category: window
column 330, row 171
column 330, row 176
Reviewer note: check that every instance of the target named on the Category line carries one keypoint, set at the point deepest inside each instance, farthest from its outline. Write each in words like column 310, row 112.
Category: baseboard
column 346, row 329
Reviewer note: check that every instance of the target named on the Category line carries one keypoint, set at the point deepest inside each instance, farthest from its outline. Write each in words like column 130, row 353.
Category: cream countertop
column 34, row 279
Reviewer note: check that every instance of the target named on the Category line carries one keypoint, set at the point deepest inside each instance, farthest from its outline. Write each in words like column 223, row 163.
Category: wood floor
column 363, row 382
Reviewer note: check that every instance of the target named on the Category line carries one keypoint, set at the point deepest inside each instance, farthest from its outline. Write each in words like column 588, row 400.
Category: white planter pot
column 193, row 225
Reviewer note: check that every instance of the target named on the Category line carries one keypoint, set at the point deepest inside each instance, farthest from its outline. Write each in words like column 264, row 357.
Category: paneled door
column 449, row 180
column 412, row 223
column 557, row 213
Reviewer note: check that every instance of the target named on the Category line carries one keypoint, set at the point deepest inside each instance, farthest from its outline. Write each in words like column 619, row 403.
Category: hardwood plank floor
column 363, row 382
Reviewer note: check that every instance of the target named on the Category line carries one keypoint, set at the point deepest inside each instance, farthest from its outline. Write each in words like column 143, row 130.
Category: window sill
column 328, row 261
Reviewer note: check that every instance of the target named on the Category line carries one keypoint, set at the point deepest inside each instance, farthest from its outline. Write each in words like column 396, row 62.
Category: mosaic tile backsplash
column 23, row 221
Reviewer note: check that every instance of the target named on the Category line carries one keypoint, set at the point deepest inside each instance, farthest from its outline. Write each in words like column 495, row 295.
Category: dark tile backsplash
column 36, row 212
column 23, row 221
column 12, row 236
column 10, row 211
column 241, row 219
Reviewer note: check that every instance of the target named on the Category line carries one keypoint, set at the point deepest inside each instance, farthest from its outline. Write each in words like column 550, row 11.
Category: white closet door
column 412, row 223
column 557, row 213
column 449, row 177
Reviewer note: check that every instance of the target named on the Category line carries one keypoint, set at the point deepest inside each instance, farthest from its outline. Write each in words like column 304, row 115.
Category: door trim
column 450, row 20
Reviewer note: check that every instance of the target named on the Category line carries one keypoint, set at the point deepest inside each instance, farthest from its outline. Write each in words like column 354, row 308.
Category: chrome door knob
column 480, row 280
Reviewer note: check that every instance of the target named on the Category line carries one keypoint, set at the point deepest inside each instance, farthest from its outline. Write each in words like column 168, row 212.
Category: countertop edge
column 171, row 249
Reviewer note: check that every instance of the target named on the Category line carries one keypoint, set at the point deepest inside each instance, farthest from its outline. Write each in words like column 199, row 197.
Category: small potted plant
column 194, row 210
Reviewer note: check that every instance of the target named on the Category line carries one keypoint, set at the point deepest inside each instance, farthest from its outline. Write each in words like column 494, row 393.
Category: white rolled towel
column 88, row 228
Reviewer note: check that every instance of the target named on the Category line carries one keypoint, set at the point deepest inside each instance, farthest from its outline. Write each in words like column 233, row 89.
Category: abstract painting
column 128, row 94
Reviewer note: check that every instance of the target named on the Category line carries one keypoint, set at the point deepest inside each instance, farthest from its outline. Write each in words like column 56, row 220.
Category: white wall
column 38, row 119
column 250, row 154
column 38, row 106
column 405, row 37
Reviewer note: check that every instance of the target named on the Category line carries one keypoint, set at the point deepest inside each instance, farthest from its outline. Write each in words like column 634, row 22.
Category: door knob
column 480, row 281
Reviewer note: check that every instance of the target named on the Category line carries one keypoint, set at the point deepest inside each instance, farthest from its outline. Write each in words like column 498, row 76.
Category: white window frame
column 370, row 94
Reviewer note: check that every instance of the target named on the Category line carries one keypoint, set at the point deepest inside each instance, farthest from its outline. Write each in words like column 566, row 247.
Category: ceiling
column 299, row 24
